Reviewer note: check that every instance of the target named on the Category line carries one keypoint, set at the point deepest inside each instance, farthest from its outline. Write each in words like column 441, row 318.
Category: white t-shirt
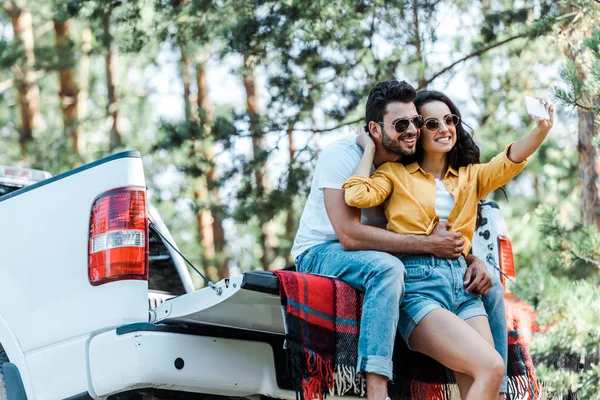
column 335, row 165
column 444, row 201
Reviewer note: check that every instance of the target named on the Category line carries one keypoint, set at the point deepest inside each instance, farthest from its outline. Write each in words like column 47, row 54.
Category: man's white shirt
column 335, row 165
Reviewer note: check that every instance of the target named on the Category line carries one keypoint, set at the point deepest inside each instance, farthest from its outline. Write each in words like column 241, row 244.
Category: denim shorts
column 432, row 283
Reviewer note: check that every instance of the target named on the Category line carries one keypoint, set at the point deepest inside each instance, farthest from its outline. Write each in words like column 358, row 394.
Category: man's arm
column 355, row 236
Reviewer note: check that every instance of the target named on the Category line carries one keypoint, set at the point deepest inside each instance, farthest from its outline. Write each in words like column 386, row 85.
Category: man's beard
column 394, row 147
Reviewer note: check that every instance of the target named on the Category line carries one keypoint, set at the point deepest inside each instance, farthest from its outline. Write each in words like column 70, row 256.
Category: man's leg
column 381, row 277
column 495, row 308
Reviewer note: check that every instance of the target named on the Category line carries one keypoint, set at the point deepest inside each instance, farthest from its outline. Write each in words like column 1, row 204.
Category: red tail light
column 507, row 262
column 118, row 245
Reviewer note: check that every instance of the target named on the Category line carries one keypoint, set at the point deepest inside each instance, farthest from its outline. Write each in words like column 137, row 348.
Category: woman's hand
column 527, row 145
column 363, row 139
column 366, row 161
column 544, row 125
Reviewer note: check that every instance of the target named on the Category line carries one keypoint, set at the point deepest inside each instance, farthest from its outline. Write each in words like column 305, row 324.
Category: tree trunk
column 112, row 108
column 416, row 41
column 216, row 219
column 290, row 220
column 84, row 81
column 68, row 87
column 204, row 222
column 28, row 90
column 253, row 107
column 204, row 218
column 188, row 100
column 589, row 167
column 589, row 163
column 260, row 178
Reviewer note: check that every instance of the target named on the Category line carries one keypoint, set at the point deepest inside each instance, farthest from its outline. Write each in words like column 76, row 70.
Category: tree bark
column 416, row 41
column 204, row 223
column 188, row 100
column 290, row 219
column 204, row 217
column 68, row 86
column 84, row 81
column 216, row 219
column 253, row 107
column 28, row 90
column 589, row 167
column 112, row 108
column 589, row 163
column 266, row 238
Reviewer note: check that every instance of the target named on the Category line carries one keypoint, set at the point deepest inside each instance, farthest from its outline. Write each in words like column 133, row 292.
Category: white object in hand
column 536, row 108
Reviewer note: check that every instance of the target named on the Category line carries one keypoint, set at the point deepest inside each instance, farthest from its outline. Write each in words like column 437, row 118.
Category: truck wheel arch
column 3, row 359
column 11, row 352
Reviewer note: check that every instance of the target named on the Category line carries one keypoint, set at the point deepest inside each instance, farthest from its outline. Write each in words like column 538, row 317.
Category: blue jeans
column 496, row 311
column 381, row 276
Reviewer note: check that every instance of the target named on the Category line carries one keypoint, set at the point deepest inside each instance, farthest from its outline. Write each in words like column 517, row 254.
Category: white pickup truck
column 82, row 317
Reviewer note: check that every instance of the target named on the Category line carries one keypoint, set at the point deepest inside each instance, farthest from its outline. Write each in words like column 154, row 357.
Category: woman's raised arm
column 527, row 145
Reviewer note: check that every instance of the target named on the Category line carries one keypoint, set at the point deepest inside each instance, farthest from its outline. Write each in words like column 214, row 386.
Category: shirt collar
column 414, row 167
column 452, row 171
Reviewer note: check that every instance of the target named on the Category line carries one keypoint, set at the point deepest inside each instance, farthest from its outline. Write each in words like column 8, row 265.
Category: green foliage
column 567, row 348
column 574, row 251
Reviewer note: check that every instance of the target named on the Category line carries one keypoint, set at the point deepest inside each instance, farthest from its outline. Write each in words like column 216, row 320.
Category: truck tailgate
column 248, row 301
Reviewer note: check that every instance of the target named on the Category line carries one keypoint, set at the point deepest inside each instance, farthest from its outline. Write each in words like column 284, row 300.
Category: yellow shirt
column 409, row 194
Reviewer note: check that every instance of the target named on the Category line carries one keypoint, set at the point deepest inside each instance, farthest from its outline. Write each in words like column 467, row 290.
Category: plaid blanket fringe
column 320, row 379
column 520, row 324
column 322, row 317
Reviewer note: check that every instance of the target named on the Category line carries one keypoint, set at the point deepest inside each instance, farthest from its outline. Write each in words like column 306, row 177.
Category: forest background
column 230, row 101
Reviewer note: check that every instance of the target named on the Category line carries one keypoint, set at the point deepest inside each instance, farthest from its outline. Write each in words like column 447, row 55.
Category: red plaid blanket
column 322, row 319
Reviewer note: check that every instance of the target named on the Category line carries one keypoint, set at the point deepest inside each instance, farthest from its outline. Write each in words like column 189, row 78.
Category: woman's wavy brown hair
column 465, row 151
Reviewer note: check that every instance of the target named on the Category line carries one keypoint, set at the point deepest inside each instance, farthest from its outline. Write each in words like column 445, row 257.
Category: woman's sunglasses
column 433, row 124
column 402, row 124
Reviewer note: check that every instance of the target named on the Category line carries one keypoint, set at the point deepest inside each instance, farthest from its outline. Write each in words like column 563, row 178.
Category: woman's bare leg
column 464, row 383
column 481, row 325
column 460, row 347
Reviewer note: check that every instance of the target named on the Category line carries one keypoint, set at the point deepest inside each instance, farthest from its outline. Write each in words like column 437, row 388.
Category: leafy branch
column 315, row 130
column 469, row 56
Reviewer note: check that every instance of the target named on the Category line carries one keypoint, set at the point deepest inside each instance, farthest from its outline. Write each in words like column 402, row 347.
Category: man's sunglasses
column 433, row 124
column 402, row 124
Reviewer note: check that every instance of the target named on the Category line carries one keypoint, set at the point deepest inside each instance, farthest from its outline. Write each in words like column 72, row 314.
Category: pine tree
column 24, row 73
column 579, row 37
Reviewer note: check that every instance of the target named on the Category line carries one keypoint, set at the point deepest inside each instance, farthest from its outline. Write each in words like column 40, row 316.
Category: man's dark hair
column 384, row 93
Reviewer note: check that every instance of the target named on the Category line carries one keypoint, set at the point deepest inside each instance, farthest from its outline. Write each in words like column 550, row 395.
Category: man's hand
column 477, row 278
column 445, row 244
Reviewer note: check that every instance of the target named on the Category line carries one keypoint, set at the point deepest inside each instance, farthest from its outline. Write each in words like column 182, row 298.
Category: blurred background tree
column 564, row 284
column 231, row 101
